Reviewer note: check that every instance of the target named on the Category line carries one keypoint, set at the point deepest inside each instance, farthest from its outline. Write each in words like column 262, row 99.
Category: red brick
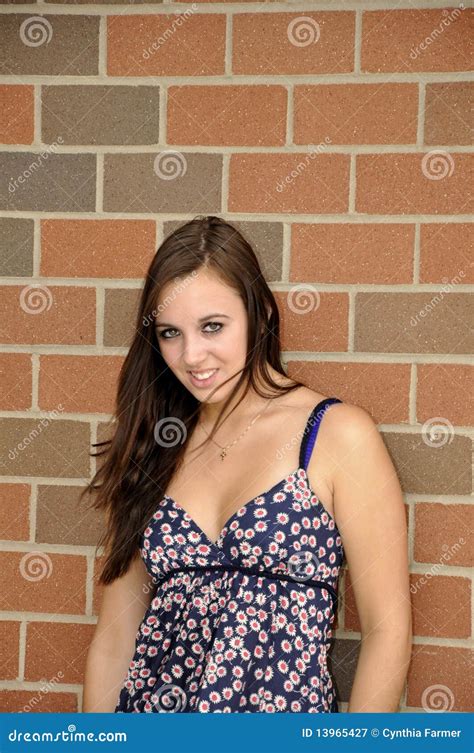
column 446, row 251
column 391, row 40
column 441, row 604
column 48, row 314
column 448, row 113
column 97, row 248
column 351, row 253
column 261, row 43
column 39, row 701
column 15, row 381
column 17, row 114
column 445, row 390
column 381, row 388
column 14, row 512
column 396, row 184
column 220, row 115
column 443, row 534
column 440, row 678
column 319, row 183
column 194, row 48
column 321, row 323
column 82, row 384
column 9, row 649
column 37, row 581
column 57, row 649
column 356, row 113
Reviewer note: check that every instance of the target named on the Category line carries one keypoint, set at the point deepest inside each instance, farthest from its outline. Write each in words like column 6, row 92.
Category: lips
column 198, row 380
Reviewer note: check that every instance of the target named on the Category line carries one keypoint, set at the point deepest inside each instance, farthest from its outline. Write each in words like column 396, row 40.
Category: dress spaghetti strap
column 312, row 428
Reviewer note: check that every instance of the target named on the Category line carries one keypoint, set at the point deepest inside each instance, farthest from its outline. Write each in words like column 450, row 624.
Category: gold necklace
column 223, row 452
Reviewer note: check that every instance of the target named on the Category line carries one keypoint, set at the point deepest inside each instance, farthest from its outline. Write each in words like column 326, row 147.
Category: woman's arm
column 370, row 514
column 123, row 605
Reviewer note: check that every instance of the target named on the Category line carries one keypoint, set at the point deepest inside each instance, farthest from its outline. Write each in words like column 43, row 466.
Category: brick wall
column 337, row 135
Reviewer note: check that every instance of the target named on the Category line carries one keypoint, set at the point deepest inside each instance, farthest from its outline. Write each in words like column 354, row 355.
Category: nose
column 194, row 353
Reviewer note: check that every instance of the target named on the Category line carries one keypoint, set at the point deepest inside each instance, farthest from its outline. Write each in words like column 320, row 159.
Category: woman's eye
column 165, row 336
column 218, row 324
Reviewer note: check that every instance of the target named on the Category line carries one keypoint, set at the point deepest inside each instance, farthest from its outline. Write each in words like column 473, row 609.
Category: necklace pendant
column 223, row 453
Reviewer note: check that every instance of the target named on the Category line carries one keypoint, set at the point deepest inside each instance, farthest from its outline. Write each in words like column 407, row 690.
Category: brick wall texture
column 338, row 136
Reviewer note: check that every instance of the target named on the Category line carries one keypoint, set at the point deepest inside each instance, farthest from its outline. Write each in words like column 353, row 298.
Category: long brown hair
column 154, row 414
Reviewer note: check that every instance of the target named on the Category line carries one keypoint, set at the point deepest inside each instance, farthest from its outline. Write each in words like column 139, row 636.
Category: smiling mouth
column 203, row 375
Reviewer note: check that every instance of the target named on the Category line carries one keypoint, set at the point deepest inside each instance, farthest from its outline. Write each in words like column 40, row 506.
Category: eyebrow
column 202, row 319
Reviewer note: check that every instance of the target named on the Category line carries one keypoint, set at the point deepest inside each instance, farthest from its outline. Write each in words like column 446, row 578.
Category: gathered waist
column 253, row 571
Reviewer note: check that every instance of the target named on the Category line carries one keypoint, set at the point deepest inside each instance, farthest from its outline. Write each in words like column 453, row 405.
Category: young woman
column 227, row 524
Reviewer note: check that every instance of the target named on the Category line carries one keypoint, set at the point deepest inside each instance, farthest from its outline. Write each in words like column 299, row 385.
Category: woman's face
column 202, row 326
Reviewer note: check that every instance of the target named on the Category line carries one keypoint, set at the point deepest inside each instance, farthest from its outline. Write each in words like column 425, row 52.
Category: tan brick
column 284, row 43
column 100, row 114
column 16, row 247
column 303, row 183
column 37, row 581
column 313, row 321
column 432, row 666
column 57, row 649
column 414, row 322
column 97, row 248
column 120, row 317
column 356, row 114
column 47, row 446
column 393, row 40
column 412, row 183
column 167, row 181
column 381, row 388
column 48, row 314
column 445, row 390
column 14, row 512
column 158, row 45
column 221, row 115
column 443, row 534
column 82, row 384
column 15, row 381
column 448, row 113
column 62, row 519
column 48, row 181
column 65, row 45
column 17, row 114
column 446, row 251
column 352, row 253
column 425, row 468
